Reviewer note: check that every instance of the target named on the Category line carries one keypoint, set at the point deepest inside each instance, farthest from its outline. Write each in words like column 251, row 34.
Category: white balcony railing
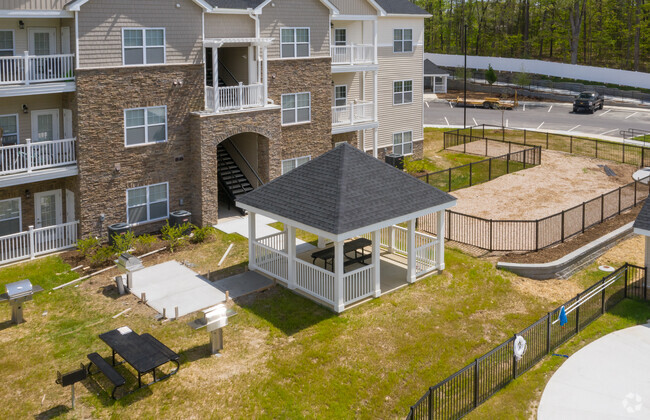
column 27, row 69
column 353, row 54
column 230, row 98
column 352, row 114
column 30, row 156
column 35, row 242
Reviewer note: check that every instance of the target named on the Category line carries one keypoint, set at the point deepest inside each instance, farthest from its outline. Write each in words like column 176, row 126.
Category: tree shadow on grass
column 285, row 310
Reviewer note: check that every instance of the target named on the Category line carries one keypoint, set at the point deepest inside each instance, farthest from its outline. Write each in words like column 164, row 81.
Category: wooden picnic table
column 358, row 246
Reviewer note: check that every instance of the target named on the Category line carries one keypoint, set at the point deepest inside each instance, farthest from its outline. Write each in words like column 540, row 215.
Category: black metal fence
column 484, row 170
column 601, row 149
column 466, row 389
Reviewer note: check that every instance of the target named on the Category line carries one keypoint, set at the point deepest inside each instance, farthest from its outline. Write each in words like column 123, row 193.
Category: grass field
column 284, row 355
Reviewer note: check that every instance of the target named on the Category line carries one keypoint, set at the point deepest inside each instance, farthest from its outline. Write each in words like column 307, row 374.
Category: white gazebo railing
column 27, row 69
column 229, row 98
column 277, row 241
column 359, row 284
column 351, row 114
column 33, row 156
column 315, row 281
column 271, row 261
column 353, row 54
column 35, row 242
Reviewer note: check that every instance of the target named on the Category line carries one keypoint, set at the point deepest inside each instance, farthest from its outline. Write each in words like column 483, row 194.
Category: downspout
column 76, row 38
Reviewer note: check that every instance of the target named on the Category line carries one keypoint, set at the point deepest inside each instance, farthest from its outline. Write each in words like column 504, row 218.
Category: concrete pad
column 607, row 379
column 243, row 284
column 240, row 226
column 171, row 284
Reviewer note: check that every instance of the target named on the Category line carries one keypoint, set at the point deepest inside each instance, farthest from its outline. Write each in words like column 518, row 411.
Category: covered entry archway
column 345, row 196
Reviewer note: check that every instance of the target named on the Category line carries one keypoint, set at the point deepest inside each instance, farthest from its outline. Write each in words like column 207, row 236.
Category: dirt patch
column 558, row 251
column 630, row 250
column 560, row 182
column 487, row 148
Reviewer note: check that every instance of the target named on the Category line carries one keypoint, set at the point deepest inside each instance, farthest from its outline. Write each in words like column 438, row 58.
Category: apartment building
column 124, row 111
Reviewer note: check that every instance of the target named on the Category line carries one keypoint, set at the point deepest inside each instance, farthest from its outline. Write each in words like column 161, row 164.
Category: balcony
column 233, row 98
column 39, row 161
column 349, row 57
column 353, row 117
column 42, row 73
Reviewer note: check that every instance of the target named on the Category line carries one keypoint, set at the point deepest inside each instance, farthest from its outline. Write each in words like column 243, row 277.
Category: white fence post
column 27, row 68
column 241, row 95
column 32, row 244
column 391, row 239
column 28, row 142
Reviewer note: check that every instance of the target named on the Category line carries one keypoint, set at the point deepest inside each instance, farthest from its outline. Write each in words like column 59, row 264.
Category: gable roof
column 401, row 7
column 235, row 4
column 430, row 68
column 75, row 5
column 642, row 222
column 344, row 190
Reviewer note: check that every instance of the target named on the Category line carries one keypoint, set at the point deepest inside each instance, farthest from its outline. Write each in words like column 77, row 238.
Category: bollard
column 176, row 312
column 143, row 297
column 227, row 295
column 164, row 314
column 120, row 285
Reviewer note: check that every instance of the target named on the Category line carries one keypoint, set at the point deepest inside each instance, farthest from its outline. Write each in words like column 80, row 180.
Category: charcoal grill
column 18, row 293
column 127, row 263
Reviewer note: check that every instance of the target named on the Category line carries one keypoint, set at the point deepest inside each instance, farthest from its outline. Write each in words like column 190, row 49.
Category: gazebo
column 361, row 205
column 435, row 78
column 641, row 226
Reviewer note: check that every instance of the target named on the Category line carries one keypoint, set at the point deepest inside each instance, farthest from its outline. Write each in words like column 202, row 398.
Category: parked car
column 588, row 101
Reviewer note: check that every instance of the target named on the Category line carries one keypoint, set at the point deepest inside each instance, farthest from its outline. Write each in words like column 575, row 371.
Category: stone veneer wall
column 207, row 131
column 102, row 96
column 352, row 138
column 418, row 151
column 312, row 75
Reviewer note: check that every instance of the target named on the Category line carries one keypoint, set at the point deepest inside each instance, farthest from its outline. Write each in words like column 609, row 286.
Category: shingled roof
column 401, row 7
column 235, row 4
column 642, row 221
column 430, row 68
column 343, row 190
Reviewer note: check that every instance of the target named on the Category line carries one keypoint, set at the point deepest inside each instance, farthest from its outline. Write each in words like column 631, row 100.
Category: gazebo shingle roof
column 343, row 190
column 430, row 68
column 643, row 218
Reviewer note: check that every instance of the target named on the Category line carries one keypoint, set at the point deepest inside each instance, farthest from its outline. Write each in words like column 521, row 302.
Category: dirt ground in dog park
column 561, row 181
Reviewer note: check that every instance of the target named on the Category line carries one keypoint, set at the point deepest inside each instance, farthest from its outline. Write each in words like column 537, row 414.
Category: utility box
column 181, row 217
column 117, row 229
column 394, row 160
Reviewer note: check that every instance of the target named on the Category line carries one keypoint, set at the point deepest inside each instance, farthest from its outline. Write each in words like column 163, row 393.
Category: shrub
column 522, row 79
column 202, row 234
column 103, row 255
column 124, row 242
column 490, row 75
column 144, row 243
column 87, row 247
column 174, row 235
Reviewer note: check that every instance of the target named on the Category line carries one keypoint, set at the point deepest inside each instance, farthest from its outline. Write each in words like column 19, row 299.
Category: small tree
column 490, row 76
column 522, row 79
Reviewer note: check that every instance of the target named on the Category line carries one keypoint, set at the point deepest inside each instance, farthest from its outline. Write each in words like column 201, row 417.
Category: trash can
column 117, row 229
column 395, row 160
column 179, row 218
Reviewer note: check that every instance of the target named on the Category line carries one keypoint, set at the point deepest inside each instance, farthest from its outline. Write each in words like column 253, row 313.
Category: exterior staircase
column 232, row 180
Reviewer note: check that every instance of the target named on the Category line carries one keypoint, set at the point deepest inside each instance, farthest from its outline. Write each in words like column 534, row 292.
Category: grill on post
column 127, row 263
column 18, row 293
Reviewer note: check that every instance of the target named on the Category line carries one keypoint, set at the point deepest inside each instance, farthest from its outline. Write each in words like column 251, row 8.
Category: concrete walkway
column 607, row 379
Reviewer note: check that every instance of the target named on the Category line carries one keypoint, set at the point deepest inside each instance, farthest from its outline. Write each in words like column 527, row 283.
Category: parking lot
column 543, row 116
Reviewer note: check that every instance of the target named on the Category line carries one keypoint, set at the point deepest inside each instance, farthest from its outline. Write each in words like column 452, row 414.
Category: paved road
column 607, row 122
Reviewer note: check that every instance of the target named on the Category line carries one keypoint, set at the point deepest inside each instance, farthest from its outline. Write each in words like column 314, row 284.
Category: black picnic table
column 358, row 246
column 143, row 352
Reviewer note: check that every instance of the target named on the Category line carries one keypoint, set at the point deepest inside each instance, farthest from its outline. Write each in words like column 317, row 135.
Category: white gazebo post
column 291, row 250
column 410, row 249
column 339, row 287
column 265, row 81
column 215, row 75
column 251, row 241
column 376, row 261
column 440, row 251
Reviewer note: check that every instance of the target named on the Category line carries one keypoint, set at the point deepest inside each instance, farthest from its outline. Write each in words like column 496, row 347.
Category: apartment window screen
column 291, row 164
column 145, row 125
column 296, row 108
column 294, row 42
column 9, row 126
column 143, row 46
column 403, row 143
column 10, row 216
column 402, row 92
column 6, row 43
column 145, row 204
column 403, row 40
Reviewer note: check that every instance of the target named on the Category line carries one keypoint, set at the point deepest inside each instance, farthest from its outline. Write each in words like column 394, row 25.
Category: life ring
column 519, row 347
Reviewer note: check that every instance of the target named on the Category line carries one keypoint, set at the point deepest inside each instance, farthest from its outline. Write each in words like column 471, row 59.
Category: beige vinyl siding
column 14, row 105
column 33, row 4
column 21, row 36
column 310, row 14
column 229, row 26
column 101, row 23
column 354, row 7
column 356, row 85
column 399, row 66
column 357, row 32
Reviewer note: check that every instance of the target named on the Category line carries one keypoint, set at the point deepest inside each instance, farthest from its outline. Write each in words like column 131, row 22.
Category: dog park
column 285, row 355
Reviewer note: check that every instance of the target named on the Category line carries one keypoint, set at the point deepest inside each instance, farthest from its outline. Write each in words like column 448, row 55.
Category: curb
column 544, row 271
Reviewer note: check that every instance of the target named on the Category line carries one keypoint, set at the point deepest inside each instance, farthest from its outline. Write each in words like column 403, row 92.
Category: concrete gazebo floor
column 392, row 269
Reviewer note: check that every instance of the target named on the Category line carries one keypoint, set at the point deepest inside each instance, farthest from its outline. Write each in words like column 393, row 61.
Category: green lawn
column 284, row 356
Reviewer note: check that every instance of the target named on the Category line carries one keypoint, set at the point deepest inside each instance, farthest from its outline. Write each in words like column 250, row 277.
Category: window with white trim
column 402, row 92
column 340, row 95
column 9, row 126
column 143, row 46
column 291, row 164
column 403, row 143
column 402, row 40
column 145, row 125
column 296, row 108
column 147, row 204
column 10, row 217
column 6, row 43
column 294, row 42
column 340, row 37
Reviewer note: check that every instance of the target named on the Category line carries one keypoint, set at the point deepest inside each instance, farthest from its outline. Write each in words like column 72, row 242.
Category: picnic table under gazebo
column 342, row 196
